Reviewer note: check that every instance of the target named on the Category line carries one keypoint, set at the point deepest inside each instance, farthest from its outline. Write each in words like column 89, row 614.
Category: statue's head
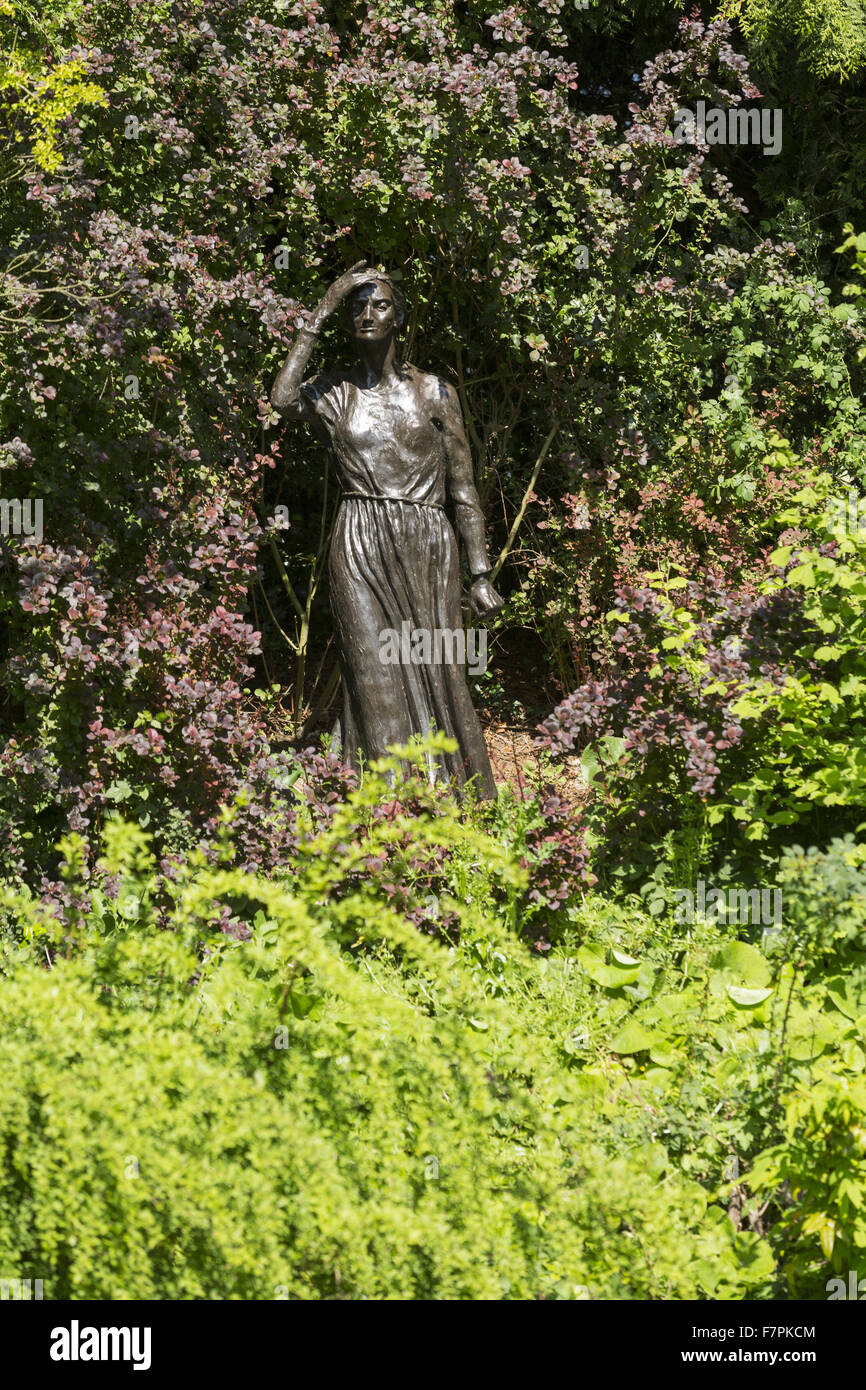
column 376, row 309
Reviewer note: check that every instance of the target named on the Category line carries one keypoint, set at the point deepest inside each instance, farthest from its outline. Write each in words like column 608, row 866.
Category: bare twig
column 512, row 535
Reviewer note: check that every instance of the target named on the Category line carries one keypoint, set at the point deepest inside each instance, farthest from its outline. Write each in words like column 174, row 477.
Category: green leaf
column 802, row 574
column 839, row 991
column 635, row 1038
column 742, row 964
column 591, row 960
column 747, row 998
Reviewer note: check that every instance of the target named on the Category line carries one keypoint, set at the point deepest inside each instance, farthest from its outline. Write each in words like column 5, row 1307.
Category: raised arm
column 464, row 494
column 285, row 395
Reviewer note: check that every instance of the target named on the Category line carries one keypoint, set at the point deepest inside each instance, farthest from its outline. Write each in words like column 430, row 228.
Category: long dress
column 394, row 561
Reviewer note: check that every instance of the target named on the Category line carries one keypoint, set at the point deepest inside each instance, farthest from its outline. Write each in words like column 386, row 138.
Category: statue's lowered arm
column 467, row 507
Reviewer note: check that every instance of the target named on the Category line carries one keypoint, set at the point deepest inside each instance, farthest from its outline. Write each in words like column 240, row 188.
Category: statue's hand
column 483, row 598
column 358, row 274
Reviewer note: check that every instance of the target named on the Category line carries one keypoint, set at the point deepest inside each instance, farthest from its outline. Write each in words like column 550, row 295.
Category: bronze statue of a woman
column 401, row 454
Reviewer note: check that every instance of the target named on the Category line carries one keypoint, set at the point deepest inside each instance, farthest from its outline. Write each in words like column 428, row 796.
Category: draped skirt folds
column 394, row 563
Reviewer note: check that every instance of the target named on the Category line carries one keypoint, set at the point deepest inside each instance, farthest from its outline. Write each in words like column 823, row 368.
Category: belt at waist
column 411, row 501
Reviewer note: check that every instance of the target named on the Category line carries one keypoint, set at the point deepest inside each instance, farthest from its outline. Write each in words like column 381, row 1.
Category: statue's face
column 372, row 313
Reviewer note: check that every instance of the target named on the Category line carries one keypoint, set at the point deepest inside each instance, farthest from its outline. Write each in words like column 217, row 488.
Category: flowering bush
column 161, row 264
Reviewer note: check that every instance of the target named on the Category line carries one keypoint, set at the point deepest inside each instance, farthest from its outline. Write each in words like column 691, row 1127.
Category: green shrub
column 339, row 1106
column 818, row 1177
